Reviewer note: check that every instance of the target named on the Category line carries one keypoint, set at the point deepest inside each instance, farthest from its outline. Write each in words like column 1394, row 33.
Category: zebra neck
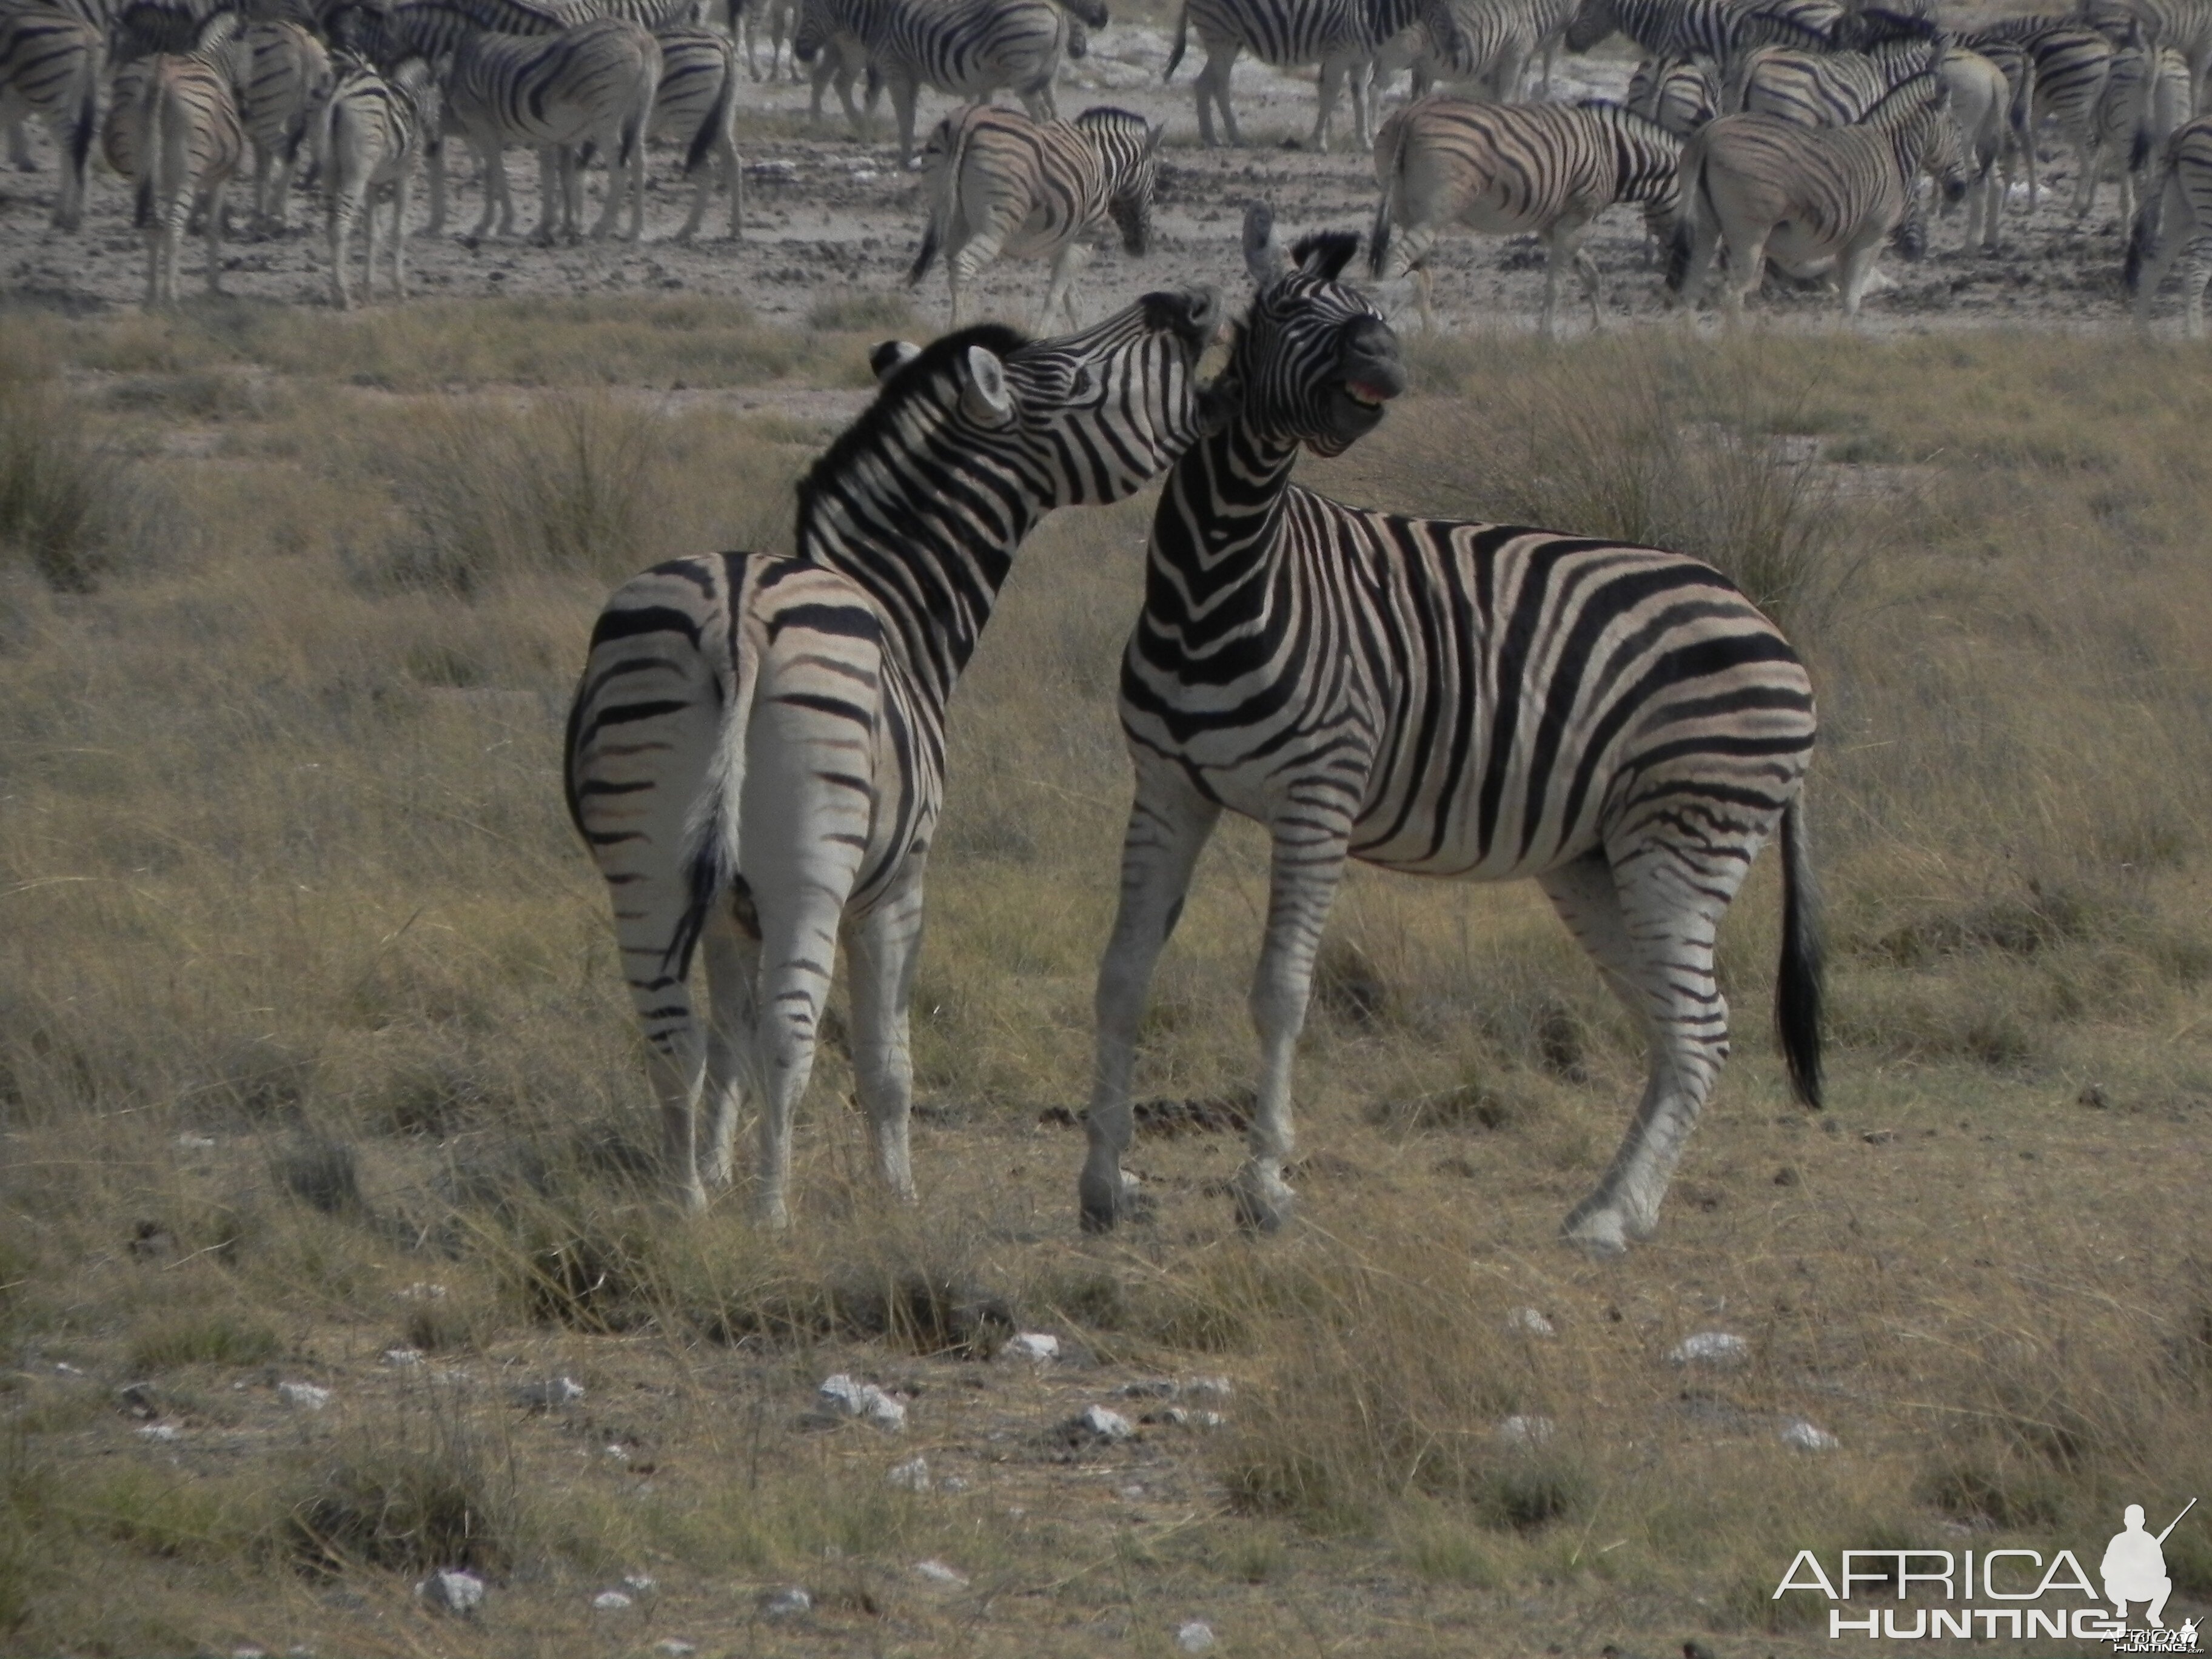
column 1217, row 525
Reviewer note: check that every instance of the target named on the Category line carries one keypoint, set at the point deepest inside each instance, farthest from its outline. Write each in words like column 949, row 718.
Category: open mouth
column 1366, row 394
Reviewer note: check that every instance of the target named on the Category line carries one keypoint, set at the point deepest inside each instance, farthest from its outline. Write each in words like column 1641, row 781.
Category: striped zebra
column 2145, row 101
column 288, row 77
column 188, row 141
column 1823, row 89
column 1507, row 169
column 50, row 67
column 1343, row 36
column 1679, row 92
column 756, row 754
column 2175, row 219
column 1715, row 29
column 368, row 136
column 1497, row 40
column 2062, row 67
column 1812, row 199
column 593, row 84
column 1485, row 702
column 1981, row 109
column 967, row 49
column 1002, row 186
column 695, row 106
column 2186, row 26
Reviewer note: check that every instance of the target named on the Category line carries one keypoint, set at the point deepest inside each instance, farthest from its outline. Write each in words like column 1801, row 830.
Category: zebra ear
column 985, row 398
column 892, row 356
column 1263, row 250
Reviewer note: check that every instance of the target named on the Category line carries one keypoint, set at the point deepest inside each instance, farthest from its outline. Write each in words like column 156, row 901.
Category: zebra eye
column 1087, row 383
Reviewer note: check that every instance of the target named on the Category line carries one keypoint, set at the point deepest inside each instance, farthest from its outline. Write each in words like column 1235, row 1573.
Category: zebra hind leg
column 881, row 948
column 731, row 945
column 1060, row 292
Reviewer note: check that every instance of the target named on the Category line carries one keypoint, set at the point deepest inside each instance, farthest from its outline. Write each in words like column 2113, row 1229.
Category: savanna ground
column 313, row 1045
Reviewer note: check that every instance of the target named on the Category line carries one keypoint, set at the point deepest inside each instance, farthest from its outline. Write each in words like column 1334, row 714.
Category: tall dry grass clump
column 72, row 509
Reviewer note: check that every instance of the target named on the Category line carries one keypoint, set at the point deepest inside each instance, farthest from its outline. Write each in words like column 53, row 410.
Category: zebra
column 2062, row 66
column 288, row 76
column 696, row 105
column 1823, row 89
column 2186, row 26
column 1504, row 170
column 1678, row 92
column 965, row 48
column 367, row 133
column 1497, row 40
column 1809, row 197
column 1716, row 29
column 1342, row 36
column 188, row 141
column 1480, row 701
column 1981, row 109
column 756, row 752
column 1000, row 183
column 2175, row 219
column 594, row 83
column 49, row 66
column 2145, row 99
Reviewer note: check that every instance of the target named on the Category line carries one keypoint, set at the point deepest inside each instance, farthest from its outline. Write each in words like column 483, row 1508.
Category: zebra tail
column 1183, row 24
column 943, row 189
column 717, row 121
column 1684, row 240
column 2142, row 238
column 87, row 124
column 2139, row 151
column 710, row 864
column 150, row 149
column 1392, row 170
column 1797, row 993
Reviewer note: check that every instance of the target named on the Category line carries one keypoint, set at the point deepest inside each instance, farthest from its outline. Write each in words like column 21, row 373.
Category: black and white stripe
column 1679, row 92
column 288, row 76
column 1482, row 703
column 1508, row 169
column 1002, row 186
column 1497, row 40
column 50, row 67
column 695, row 106
column 2186, row 26
column 2145, row 101
column 2063, row 66
column 1714, row 29
column 1823, row 89
column 367, row 139
column 2175, row 220
column 188, row 140
column 756, row 754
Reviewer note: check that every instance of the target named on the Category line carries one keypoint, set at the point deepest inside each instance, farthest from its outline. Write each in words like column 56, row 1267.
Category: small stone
column 403, row 1356
column 641, row 1584
column 1150, row 1388
column 1039, row 1345
column 2093, row 1098
column 196, row 1143
column 160, row 1431
column 420, row 1291
column 546, row 1395
column 62, row 1368
column 138, row 1400
column 841, row 1393
column 457, row 1593
column 610, row 1601
column 1210, row 1387
column 1525, row 1431
column 1195, row 1636
column 952, row 1483
column 1879, row 1136
column 1098, row 1423
column 615, row 1454
column 937, row 1573
column 788, row 1602
column 672, row 1648
column 1132, row 1492
column 1805, row 1436
column 249, row 1652
column 1786, row 1175
column 1723, row 1350
column 1527, row 1321
column 913, row 1475
column 303, row 1397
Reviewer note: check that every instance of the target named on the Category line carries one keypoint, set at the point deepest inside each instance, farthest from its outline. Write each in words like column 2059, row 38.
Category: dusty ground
column 830, row 217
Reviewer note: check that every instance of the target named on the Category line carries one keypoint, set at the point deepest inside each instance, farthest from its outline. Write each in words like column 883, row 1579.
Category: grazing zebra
column 188, row 141
column 1343, row 36
column 1810, row 199
column 2186, row 26
column 1823, row 89
column 1479, row 702
column 965, row 48
column 1497, row 41
column 288, row 76
column 1717, row 29
column 49, row 66
column 1001, row 184
column 1678, row 92
column 756, row 754
column 696, row 105
column 368, row 134
column 1506, row 169
column 592, row 84
column 2146, row 98
column 2175, row 219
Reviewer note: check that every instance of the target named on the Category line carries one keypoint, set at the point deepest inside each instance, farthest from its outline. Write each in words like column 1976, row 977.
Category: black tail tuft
column 1798, row 990
column 1678, row 251
column 705, row 879
column 927, row 256
column 717, row 121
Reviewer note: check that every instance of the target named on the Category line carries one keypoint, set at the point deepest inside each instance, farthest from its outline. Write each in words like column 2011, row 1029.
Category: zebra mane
column 1335, row 248
column 908, row 386
column 1906, row 100
column 1104, row 115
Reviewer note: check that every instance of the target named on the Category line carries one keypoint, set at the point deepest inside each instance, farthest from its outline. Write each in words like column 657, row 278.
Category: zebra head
column 1314, row 362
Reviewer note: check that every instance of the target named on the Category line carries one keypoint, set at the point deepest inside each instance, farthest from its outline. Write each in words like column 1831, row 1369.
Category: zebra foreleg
column 401, row 192
column 1169, row 826
column 1059, row 293
column 904, row 90
column 214, row 245
column 1332, row 88
column 881, row 948
column 1213, row 88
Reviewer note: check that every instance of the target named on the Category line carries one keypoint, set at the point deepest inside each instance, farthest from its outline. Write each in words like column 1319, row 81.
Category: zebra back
column 1679, row 92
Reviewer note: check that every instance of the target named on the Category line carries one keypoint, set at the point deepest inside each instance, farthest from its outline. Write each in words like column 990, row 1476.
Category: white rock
column 1209, row 1388
column 249, row 1652
column 952, row 1483
column 786, row 1603
column 1527, row 1321
column 420, row 1291
column 1105, row 1425
column 641, row 1584
column 615, row 1454
column 912, row 1474
column 305, row 1396
column 62, row 1368
column 1040, row 1346
column 937, row 1573
column 460, row 1593
column 673, row 1648
column 544, row 1396
column 1525, row 1431
column 403, row 1356
column 196, row 1143
column 1805, row 1437
column 610, row 1601
column 162, row 1431
column 841, row 1392
column 1722, row 1350
column 1195, row 1636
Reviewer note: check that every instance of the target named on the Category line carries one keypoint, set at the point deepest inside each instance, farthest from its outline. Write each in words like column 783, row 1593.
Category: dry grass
column 307, row 1003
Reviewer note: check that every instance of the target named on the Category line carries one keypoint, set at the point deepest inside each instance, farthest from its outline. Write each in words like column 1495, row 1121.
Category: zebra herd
column 756, row 752
column 1800, row 133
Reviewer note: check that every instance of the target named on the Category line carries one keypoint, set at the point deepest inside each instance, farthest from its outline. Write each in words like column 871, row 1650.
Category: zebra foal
column 49, row 66
column 2175, row 219
column 1480, row 702
column 755, row 753
column 1000, row 185
column 1811, row 198
column 1504, row 169
column 369, row 133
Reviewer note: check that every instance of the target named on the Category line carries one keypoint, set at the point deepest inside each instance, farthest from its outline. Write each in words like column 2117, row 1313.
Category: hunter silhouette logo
column 2134, row 1568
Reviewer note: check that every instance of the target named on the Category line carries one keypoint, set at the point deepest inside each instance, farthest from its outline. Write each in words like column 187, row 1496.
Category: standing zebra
column 2175, row 218
column 368, row 134
column 1504, row 169
column 2064, row 66
column 1810, row 199
column 1823, row 89
column 695, row 106
column 288, row 76
column 1002, row 184
column 188, row 141
column 1717, row 29
column 756, row 755
column 1478, row 702
column 1678, row 92
column 1981, row 109
column 49, row 66
column 965, row 48
column 2186, row 26
column 2146, row 98
column 1497, row 41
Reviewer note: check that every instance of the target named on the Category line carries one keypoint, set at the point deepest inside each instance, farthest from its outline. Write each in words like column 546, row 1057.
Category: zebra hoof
column 1110, row 1199
column 1602, row 1229
column 1264, row 1202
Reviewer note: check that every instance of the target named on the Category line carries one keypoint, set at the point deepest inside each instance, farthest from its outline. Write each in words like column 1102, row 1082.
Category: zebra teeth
column 1365, row 396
